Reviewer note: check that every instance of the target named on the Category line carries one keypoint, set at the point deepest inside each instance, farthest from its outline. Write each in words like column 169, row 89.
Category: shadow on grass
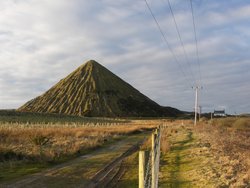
column 175, row 180
column 128, row 184
column 189, row 139
column 176, row 183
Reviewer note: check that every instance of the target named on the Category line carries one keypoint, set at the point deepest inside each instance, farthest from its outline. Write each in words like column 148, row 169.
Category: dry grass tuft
column 165, row 145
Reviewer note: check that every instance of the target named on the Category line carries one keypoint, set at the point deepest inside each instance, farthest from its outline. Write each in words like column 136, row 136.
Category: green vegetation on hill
column 13, row 116
column 92, row 90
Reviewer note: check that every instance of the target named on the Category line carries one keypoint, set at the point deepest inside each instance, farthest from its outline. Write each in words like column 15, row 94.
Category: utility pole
column 200, row 110
column 196, row 104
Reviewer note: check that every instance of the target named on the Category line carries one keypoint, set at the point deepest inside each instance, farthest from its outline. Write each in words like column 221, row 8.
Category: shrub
column 40, row 140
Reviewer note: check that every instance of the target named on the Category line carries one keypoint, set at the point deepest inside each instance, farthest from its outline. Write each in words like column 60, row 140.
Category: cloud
column 43, row 41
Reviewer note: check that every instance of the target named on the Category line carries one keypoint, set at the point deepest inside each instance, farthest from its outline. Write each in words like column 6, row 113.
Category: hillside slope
column 92, row 90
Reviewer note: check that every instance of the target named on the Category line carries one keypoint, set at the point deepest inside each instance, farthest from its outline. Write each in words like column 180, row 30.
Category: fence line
column 149, row 166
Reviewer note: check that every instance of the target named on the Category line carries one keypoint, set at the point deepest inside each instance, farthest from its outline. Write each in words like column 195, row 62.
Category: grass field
column 13, row 116
column 79, row 172
column 43, row 142
column 211, row 154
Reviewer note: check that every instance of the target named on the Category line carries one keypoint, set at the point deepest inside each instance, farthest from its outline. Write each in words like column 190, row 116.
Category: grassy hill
column 92, row 90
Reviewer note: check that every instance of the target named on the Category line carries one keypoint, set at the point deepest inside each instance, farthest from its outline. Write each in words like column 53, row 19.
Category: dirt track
column 113, row 171
column 90, row 170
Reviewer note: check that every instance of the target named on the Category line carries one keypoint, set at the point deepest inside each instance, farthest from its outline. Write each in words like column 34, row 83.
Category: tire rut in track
column 111, row 173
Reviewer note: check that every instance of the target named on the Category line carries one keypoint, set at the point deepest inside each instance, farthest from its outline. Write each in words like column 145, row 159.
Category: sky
column 42, row 41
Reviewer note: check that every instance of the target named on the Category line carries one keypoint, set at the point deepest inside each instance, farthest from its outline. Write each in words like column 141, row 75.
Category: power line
column 166, row 41
column 198, row 85
column 180, row 38
column 196, row 41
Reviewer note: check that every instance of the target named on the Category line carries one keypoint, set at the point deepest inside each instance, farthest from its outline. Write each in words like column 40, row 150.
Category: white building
column 219, row 113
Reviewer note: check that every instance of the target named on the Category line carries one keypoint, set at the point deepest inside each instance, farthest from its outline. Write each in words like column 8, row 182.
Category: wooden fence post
column 158, row 155
column 153, row 161
column 141, row 168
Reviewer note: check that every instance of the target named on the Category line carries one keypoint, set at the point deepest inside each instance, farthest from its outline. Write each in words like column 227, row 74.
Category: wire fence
column 149, row 164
